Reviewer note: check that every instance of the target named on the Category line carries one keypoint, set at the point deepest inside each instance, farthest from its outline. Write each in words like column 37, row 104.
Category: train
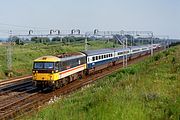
column 57, row 71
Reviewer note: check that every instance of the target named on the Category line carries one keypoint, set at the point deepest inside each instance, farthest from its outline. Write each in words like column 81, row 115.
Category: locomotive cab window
column 43, row 65
column 57, row 65
column 48, row 65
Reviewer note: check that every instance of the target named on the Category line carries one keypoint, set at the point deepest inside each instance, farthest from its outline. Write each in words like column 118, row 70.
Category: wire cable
column 20, row 26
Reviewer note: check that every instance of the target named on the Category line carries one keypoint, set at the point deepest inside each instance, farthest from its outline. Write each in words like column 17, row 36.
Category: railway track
column 13, row 87
column 28, row 101
column 14, row 80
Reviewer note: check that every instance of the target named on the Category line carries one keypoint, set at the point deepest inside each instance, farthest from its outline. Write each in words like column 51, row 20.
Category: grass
column 149, row 90
column 23, row 55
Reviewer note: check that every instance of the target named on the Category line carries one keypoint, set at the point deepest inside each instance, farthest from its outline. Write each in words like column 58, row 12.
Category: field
column 23, row 55
column 149, row 90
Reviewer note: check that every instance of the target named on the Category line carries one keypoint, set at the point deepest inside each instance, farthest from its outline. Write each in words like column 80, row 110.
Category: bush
column 129, row 70
column 157, row 57
column 166, row 53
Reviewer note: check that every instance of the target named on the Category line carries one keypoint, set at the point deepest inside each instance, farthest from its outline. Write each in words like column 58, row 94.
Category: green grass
column 149, row 90
column 23, row 56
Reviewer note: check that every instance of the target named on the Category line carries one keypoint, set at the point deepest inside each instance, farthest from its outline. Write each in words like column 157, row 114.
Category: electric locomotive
column 56, row 71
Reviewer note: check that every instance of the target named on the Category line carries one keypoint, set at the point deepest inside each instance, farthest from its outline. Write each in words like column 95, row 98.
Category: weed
column 129, row 70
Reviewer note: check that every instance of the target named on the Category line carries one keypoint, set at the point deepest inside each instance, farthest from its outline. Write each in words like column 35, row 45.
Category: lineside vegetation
column 148, row 90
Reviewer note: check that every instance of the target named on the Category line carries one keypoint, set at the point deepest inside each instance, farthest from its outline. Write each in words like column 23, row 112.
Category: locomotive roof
column 62, row 57
column 72, row 57
column 47, row 59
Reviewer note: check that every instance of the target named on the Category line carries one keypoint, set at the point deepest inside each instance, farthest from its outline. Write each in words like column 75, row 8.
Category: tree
column 16, row 39
column 56, row 39
column 40, row 39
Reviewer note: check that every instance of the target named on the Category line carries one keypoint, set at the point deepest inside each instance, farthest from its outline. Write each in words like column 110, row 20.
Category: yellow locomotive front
column 45, row 70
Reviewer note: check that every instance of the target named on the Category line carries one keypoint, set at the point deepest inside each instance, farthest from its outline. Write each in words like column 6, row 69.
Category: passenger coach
column 99, row 59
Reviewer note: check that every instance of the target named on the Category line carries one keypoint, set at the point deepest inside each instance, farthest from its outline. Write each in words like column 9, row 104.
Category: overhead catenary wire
column 21, row 26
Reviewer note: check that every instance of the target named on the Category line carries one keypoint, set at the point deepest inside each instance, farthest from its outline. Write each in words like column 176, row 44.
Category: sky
column 160, row 16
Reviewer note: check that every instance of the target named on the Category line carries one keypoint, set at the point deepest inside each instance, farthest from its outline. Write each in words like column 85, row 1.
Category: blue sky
column 160, row 16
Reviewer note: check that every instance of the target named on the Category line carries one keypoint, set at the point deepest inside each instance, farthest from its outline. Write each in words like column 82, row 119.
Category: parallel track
column 14, row 80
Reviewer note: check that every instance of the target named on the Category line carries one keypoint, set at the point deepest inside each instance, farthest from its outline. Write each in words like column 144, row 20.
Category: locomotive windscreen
column 43, row 65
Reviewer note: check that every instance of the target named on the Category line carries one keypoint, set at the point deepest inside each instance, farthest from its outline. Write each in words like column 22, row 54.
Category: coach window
column 102, row 56
column 136, row 50
column 126, row 52
column 93, row 58
column 120, row 53
column 96, row 57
